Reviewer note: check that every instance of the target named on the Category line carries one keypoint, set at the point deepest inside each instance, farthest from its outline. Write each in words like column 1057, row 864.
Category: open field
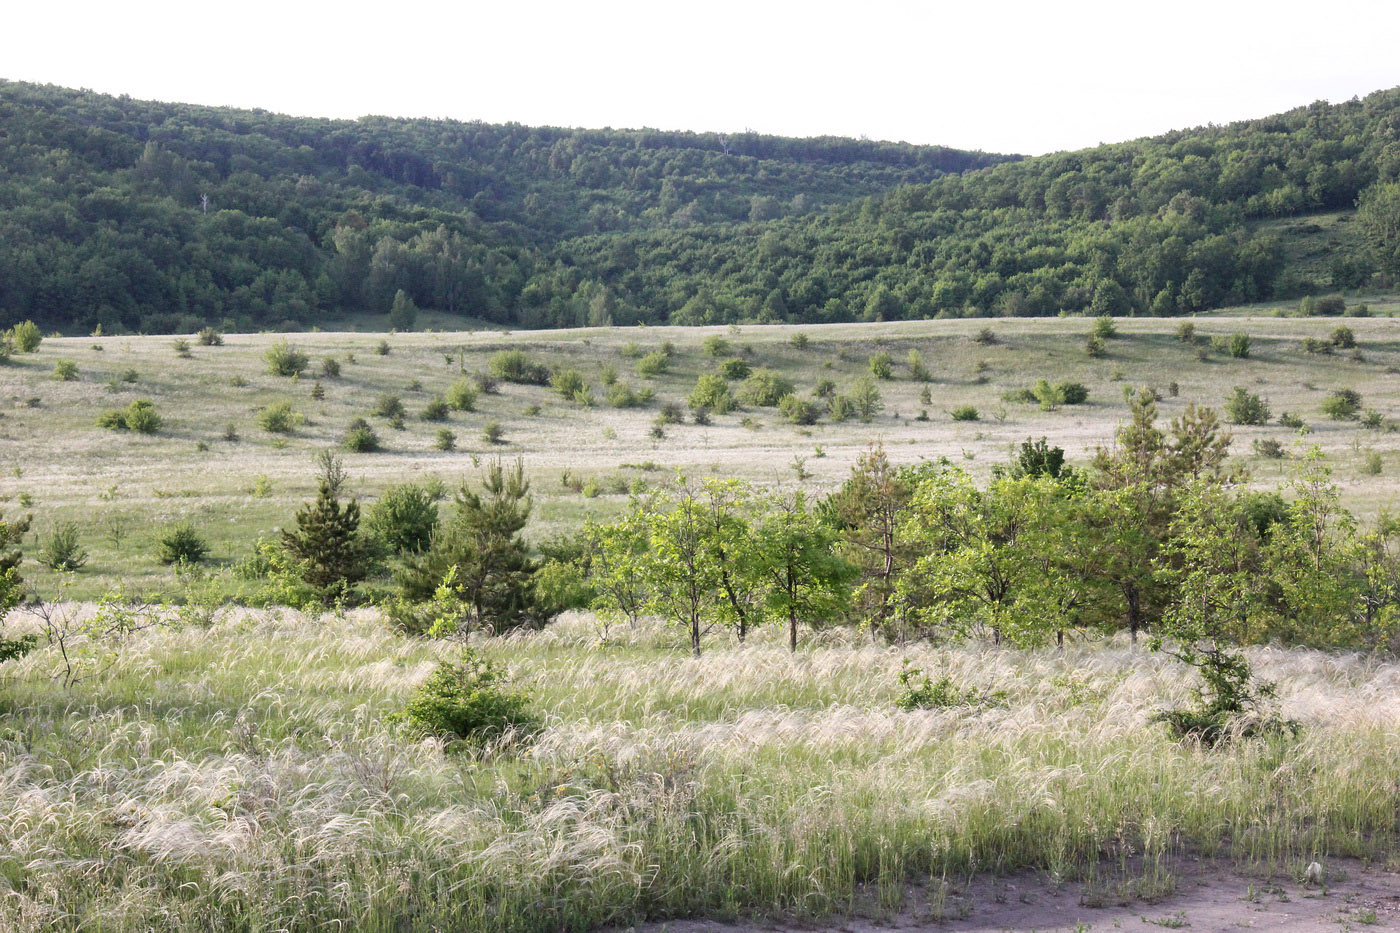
column 246, row 775
column 121, row 488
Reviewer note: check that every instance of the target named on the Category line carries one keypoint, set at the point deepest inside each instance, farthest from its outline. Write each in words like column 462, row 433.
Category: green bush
column 965, row 413
column 920, row 692
column 436, row 409
column 360, row 437
column 63, row 550
column 388, row 406
column 568, row 382
column 330, row 367
column 65, row 370
column 1290, row 420
column 462, row 395
column 1238, row 346
column 209, row 337
column 711, row 392
column 1342, row 405
column 468, row 700
column 140, row 416
column 1104, row 327
column 799, row 340
column 493, row 433
column 446, row 440
column 715, row 345
column 735, row 369
column 1268, row 448
column 622, row 395
column 653, row 364
column 798, row 410
column 514, row 366
column 1095, row 346
column 26, row 337
column 1344, row 338
column 181, row 544
column 1231, row 703
column 278, row 418
column 283, row 359
column 1075, row 393
column 404, row 518
column 881, row 366
column 1244, row 407
column 764, row 388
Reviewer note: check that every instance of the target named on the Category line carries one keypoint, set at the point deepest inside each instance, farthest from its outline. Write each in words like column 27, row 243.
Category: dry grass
column 245, row 776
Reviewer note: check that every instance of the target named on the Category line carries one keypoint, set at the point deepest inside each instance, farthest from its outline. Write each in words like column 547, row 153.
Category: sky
column 1000, row 77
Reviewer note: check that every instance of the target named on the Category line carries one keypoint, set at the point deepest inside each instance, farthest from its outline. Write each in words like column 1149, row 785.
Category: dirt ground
column 1207, row 897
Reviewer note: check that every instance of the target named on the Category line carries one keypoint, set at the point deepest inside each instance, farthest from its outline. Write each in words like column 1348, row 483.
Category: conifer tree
column 330, row 553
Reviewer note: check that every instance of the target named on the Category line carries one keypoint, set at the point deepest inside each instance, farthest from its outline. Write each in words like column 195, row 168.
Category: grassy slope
column 245, row 776
column 123, row 488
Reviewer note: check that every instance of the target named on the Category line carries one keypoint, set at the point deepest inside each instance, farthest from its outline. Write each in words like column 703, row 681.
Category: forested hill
column 103, row 216
column 164, row 217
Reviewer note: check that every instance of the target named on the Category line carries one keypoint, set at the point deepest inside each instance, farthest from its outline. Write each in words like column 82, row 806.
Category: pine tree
column 327, row 545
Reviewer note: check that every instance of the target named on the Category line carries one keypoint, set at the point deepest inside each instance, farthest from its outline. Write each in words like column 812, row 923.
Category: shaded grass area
column 247, row 776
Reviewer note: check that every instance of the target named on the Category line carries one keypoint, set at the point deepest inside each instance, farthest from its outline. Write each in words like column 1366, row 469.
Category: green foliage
column 1104, row 327
column 140, row 417
column 445, row 440
column 1095, row 347
column 436, row 409
column 1231, row 701
column 920, row 692
column 1342, row 405
column 798, row 410
column 965, row 413
column 388, row 405
column 1244, row 407
column 764, row 388
column 25, row 337
column 918, row 369
column 568, row 382
column 1344, row 338
column 404, row 517
column 1269, row 449
column 864, row 399
column 283, row 359
column 278, row 418
column 467, row 700
column 493, row 433
column 329, row 552
column 515, row 366
column 181, row 544
column 63, row 551
column 711, row 393
column 403, row 313
column 1238, row 346
column 799, row 341
column 653, row 364
column 330, row 367
column 881, row 366
column 65, row 370
column 461, row 396
column 715, row 345
column 735, row 369
column 360, row 437
column 210, row 337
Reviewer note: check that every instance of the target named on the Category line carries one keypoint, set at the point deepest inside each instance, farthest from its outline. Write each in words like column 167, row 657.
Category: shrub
column 1095, row 347
column 653, row 364
column 1268, row 448
column 798, row 410
column 514, row 366
column 985, row 337
column 446, row 440
column 865, row 398
column 881, row 366
column 1104, row 327
column 1342, row 405
column 388, row 406
column 1230, row 702
column 209, row 337
column 1344, row 338
column 1290, row 420
column 461, row 396
column 65, row 370
column 278, row 418
column 1244, row 407
column 735, row 369
column 799, row 340
column 1329, row 305
column 715, row 345
column 622, row 395
column 918, row 370
column 403, row 314
column 404, row 518
column 140, row 416
column 711, row 392
column 941, row 694
column 826, row 388
column 360, row 437
column 1371, row 464
column 1050, row 397
column 700, row 416
column 181, row 347
column 181, row 544
column 63, row 550
column 840, row 408
column 1361, row 310
column 568, row 382
column 26, row 337
column 382, row 348
column 671, row 413
column 764, row 388
column 631, row 350
column 493, row 433
column 467, row 700
column 283, row 359
column 1237, row 345
column 1186, row 332
column 330, row 367
column 1313, row 345
column 1075, row 393
column 436, row 409
column 965, row 413
column 1373, row 420
column 318, row 391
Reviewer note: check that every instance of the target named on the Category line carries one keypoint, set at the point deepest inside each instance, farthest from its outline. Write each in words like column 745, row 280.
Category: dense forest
column 137, row 215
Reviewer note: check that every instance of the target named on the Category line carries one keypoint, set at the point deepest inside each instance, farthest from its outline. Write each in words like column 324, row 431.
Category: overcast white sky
column 1004, row 77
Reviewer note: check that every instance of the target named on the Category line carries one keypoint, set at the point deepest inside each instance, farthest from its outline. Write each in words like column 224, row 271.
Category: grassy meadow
column 123, row 488
column 248, row 775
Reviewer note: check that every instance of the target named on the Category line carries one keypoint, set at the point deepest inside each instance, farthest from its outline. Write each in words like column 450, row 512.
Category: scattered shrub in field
column 209, row 337
column 965, row 413
column 712, row 392
column 608, row 375
column 181, row 544
column 468, row 700
column 1373, row 420
column 493, row 433
column 941, row 694
column 918, row 370
column 798, row 410
column 1050, row 397
column 1238, row 346
column 1371, row 464
column 461, row 396
column 360, row 437
column 514, row 366
column 403, row 314
column 1290, row 420
column 985, row 337
column 1104, row 327
column 1313, row 345
column 486, row 384
column 446, row 440
column 330, row 553
column 330, row 367
column 671, row 413
column 865, row 398
column 436, row 409
column 622, row 395
column 140, row 416
column 715, row 345
column 653, row 364
column 881, row 366
column 735, row 369
column 1342, row 405
column 388, row 406
column 1361, row 310
column 700, row 416
column 657, row 433
column 26, row 337
column 1344, row 338
column 1186, row 332
column 631, row 350
column 1244, row 407
column 764, row 388
column 1268, row 448
column 318, row 391
column 1095, row 347
column 283, row 359
column 1327, row 305
column 404, row 518
column 63, row 550
column 840, row 408
column 181, row 347
column 799, row 340
column 826, row 389
column 278, row 418
column 1230, row 702
column 382, row 348
column 65, row 370
column 568, row 382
